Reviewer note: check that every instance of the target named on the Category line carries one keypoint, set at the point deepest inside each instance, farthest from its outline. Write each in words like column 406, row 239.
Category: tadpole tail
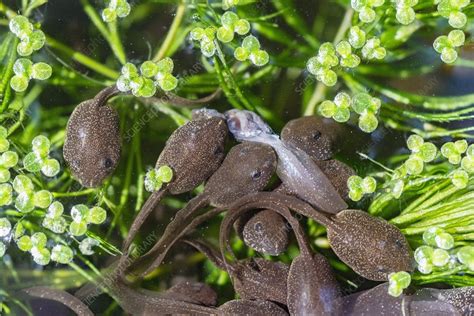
column 203, row 247
column 60, row 296
column 169, row 237
column 105, row 94
column 177, row 100
column 147, row 208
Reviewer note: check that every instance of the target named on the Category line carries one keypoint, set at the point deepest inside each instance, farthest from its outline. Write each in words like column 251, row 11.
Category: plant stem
column 320, row 90
column 163, row 51
column 82, row 59
column 116, row 43
column 74, row 194
column 110, row 34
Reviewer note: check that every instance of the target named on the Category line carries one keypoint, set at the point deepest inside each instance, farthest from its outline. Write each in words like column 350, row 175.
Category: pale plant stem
column 162, row 52
column 320, row 90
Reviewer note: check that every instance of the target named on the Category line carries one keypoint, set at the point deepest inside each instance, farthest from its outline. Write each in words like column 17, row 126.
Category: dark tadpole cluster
column 264, row 186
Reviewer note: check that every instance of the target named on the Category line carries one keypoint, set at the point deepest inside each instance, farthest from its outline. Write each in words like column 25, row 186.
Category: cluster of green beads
column 152, row 75
column 363, row 104
column 435, row 252
column 155, row 178
column 323, row 63
column 373, row 49
column 453, row 151
column 8, row 158
column 397, row 282
column 39, row 160
column 206, row 37
column 116, row 8
column 250, row 50
column 405, row 13
column 421, row 153
column 31, row 39
column 25, row 70
column 446, row 45
column 227, row 4
column 365, row 8
column 358, row 187
column 82, row 216
column 452, row 10
column 36, row 244
column 231, row 24
column 54, row 219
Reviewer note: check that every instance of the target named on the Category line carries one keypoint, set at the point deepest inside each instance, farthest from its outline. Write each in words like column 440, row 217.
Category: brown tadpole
column 246, row 169
column 253, row 278
column 194, row 152
column 92, row 146
column 319, row 138
column 425, row 301
column 310, row 287
column 251, row 307
column 314, row 135
column 371, row 246
column 266, row 232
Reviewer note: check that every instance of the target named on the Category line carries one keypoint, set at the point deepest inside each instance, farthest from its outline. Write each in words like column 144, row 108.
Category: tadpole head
column 371, row 246
column 93, row 145
column 246, row 169
column 246, row 125
column 194, row 152
column 313, row 135
column 266, row 232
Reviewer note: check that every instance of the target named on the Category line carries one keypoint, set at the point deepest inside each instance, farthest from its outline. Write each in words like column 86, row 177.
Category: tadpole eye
column 256, row 174
column 108, row 163
column 399, row 244
column 218, row 151
column 316, row 135
column 258, row 227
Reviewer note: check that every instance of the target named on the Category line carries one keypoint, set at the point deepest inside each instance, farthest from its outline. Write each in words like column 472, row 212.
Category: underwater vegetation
column 236, row 157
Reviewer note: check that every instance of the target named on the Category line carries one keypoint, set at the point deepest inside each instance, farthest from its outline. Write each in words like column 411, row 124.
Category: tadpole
column 266, row 232
column 425, row 301
column 296, row 169
column 316, row 137
column 92, row 145
column 251, row 307
column 311, row 285
column 194, row 151
column 246, row 169
column 371, row 246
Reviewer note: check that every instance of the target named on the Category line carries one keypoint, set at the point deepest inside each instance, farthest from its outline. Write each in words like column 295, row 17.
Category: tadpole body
column 296, row 169
column 424, row 302
column 246, row 169
column 317, row 137
column 311, row 286
column 254, row 278
column 92, row 146
column 314, row 135
column 194, row 152
column 251, row 307
column 266, row 232
column 371, row 246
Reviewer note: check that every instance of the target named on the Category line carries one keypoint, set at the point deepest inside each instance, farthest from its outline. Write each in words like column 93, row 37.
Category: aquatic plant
column 280, row 59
